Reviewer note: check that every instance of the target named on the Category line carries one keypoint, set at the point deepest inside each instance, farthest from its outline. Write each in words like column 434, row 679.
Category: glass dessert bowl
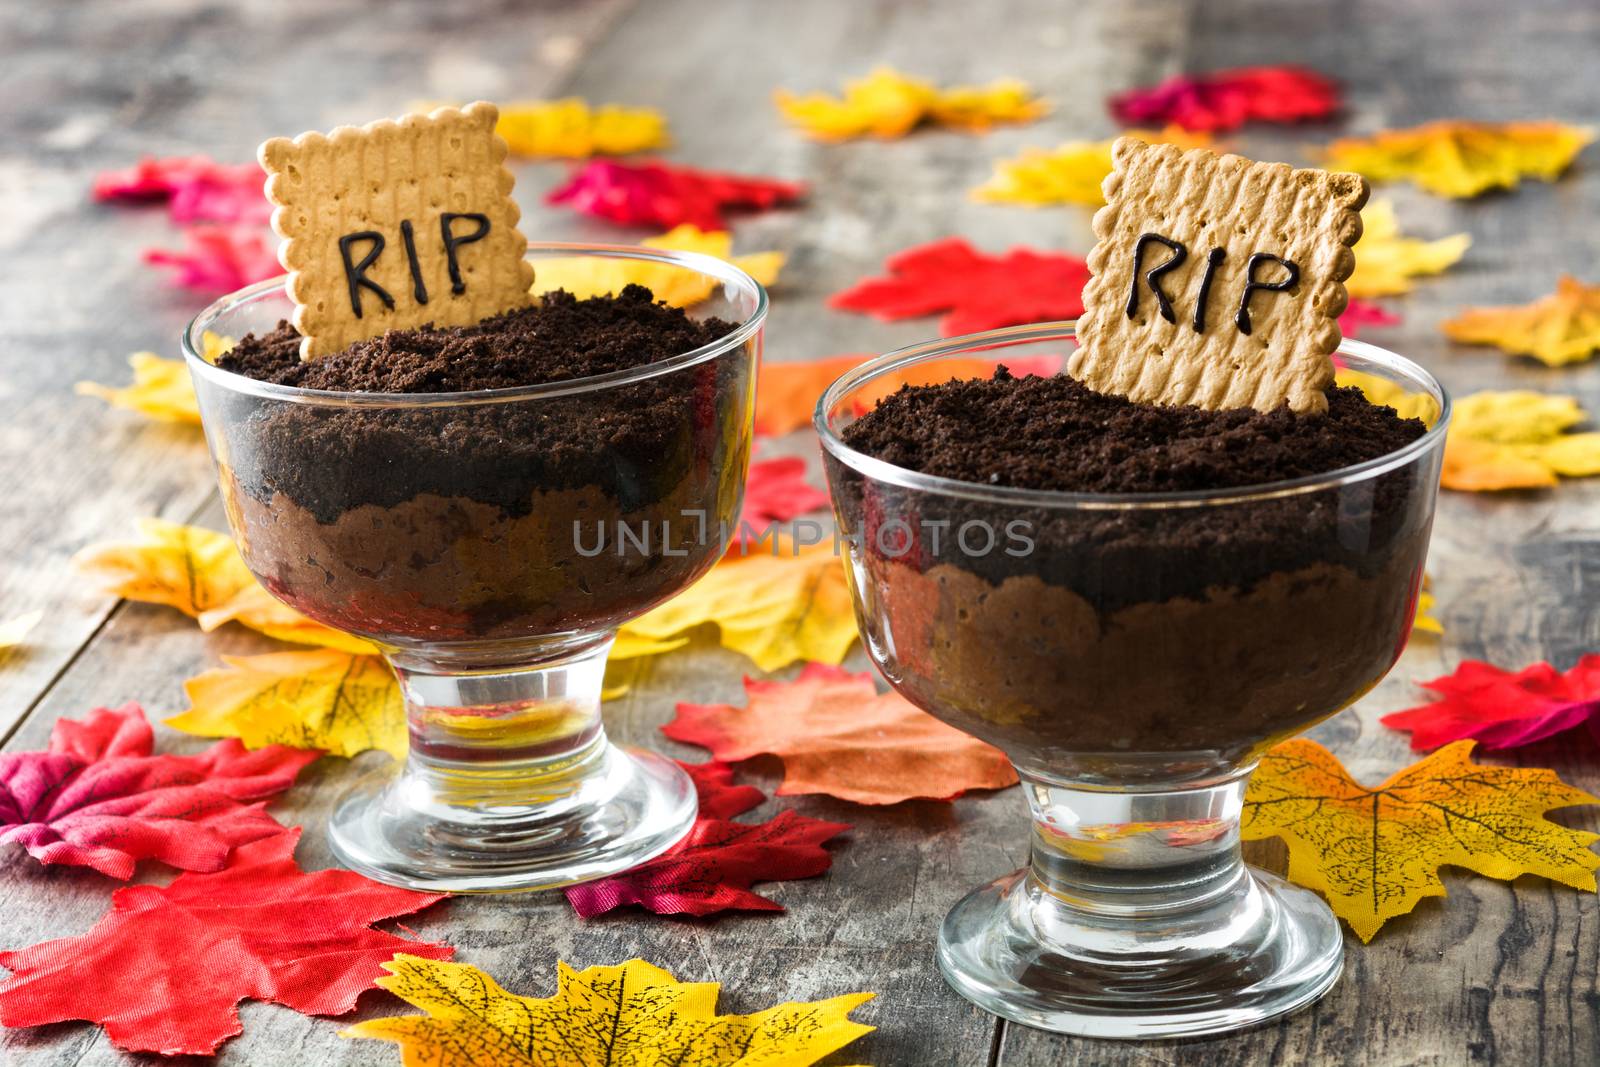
column 490, row 543
column 1133, row 655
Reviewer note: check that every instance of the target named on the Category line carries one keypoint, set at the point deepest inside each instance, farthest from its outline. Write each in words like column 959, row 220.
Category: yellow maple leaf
column 635, row 1013
column 777, row 609
column 1517, row 440
column 572, row 129
column 200, row 573
column 1558, row 329
column 341, row 703
column 586, row 276
column 1462, row 159
column 1069, row 174
column 15, row 631
column 1375, row 853
column 1386, row 262
column 161, row 387
column 1408, row 405
column 1426, row 621
column 888, row 104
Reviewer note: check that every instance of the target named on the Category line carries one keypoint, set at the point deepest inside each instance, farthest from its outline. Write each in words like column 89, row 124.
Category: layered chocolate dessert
column 495, row 515
column 1176, row 630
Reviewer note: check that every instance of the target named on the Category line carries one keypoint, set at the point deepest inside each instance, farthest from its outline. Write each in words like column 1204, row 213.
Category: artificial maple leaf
column 889, row 104
column 200, row 573
column 712, row 869
column 1383, row 391
column 98, row 798
column 1516, row 440
column 660, row 194
column 1425, row 619
column 1502, row 709
column 571, row 129
column 1375, row 853
column 161, row 389
column 165, row 969
column 1360, row 314
column 1462, row 159
column 777, row 602
column 1227, row 99
column 195, row 188
column 324, row 699
column 1386, row 262
column 14, row 631
column 634, row 1013
column 1561, row 328
column 776, row 490
column 977, row 291
column 1069, row 174
column 220, row 258
column 586, row 276
column 836, row 734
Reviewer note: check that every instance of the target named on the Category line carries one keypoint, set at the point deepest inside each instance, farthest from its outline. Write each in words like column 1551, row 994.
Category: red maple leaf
column 165, row 969
column 1502, row 709
column 196, row 188
column 98, row 798
column 979, row 291
column 219, row 258
column 713, row 868
column 1359, row 314
column 776, row 490
column 1227, row 99
column 659, row 194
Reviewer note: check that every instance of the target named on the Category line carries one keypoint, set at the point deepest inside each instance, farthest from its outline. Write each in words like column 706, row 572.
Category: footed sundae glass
column 1134, row 656
column 489, row 544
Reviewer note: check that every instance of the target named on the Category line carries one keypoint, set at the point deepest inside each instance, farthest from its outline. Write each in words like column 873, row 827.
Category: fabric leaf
column 836, row 734
column 165, row 969
column 99, row 798
column 1227, row 99
column 1068, row 174
column 776, row 491
column 219, row 258
column 1557, row 330
column 976, row 290
column 195, row 188
column 711, row 870
column 776, row 602
column 324, row 699
column 634, row 1013
column 662, row 194
column 1463, row 159
column 1375, row 853
column 888, row 104
column 15, row 631
column 571, row 129
column 1358, row 315
column 1504, row 709
column 1517, row 440
column 587, row 276
column 1386, row 262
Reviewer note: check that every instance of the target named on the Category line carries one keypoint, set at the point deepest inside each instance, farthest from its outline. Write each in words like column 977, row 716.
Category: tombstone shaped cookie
column 395, row 225
column 1217, row 281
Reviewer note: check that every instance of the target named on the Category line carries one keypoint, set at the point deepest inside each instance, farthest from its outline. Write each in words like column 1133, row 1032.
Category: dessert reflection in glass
column 1133, row 654
column 490, row 543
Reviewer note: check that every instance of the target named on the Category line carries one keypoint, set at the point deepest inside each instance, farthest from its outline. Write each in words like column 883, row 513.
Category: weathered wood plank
column 96, row 85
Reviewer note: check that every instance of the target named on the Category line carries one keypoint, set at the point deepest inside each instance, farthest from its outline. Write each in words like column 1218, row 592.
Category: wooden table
column 1501, row 973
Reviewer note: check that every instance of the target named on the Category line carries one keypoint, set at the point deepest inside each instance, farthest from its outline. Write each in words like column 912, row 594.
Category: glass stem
column 502, row 740
column 1136, row 856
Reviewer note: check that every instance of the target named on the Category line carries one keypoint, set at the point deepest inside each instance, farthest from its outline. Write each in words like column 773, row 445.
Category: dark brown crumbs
column 1056, row 433
column 559, row 339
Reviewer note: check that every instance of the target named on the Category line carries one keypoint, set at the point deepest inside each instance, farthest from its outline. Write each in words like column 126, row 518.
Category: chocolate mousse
column 1060, row 631
column 493, row 516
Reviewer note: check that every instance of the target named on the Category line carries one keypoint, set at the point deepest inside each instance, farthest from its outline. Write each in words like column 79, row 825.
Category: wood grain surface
column 1498, row 974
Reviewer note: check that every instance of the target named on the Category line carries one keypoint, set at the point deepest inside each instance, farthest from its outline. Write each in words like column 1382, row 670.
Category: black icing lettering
column 1152, row 277
column 452, row 242
column 1213, row 261
column 1251, row 286
column 355, row 274
column 418, row 290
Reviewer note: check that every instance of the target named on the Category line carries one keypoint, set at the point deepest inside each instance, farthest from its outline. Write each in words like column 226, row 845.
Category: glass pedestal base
column 627, row 807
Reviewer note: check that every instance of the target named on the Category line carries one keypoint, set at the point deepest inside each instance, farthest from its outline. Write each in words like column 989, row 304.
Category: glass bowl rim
column 711, row 266
column 881, row 470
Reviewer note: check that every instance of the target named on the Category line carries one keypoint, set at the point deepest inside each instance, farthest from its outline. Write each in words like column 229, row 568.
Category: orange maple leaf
column 1375, row 853
column 1517, row 440
column 1462, row 159
column 836, row 734
column 1558, row 329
